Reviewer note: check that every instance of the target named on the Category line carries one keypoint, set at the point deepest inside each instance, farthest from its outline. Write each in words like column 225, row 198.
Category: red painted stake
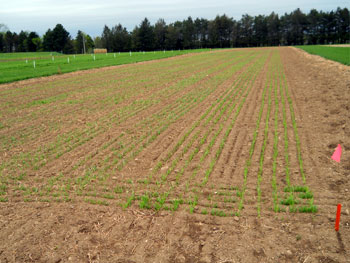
column 337, row 219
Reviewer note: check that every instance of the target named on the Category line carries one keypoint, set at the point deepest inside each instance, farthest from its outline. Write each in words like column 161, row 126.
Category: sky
column 90, row 16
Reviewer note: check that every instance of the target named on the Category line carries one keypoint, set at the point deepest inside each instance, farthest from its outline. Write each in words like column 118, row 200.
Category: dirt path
column 215, row 121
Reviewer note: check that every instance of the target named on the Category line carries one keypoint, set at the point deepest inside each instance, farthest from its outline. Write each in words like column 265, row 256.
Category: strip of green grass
column 339, row 54
column 19, row 66
column 28, row 55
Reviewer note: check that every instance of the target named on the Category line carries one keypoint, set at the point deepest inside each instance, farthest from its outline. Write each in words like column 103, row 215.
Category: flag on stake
column 337, row 218
column 337, row 154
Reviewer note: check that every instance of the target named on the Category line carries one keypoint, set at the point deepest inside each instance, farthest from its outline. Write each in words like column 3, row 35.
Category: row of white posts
column 93, row 55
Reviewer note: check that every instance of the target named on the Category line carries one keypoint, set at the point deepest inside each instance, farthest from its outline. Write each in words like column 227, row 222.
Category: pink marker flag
column 337, row 154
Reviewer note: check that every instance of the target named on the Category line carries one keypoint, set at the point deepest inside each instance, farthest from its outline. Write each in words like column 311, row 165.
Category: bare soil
column 96, row 107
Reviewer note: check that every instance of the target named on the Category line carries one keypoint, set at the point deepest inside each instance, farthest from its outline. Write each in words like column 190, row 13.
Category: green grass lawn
column 19, row 66
column 27, row 55
column 339, row 54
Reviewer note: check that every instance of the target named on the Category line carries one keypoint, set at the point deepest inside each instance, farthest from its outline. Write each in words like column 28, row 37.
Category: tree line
column 58, row 39
column 295, row 28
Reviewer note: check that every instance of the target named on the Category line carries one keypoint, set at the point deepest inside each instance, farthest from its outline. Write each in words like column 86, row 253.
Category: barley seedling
column 3, row 199
column 306, row 195
column 129, row 201
column 215, row 212
column 145, row 202
column 289, row 200
column 204, row 212
column 176, row 203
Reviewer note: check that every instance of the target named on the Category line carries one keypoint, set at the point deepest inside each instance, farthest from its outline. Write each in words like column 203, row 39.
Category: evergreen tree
column 22, row 41
column 160, row 32
column 8, row 41
column 106, row 38
column 1, row 42
column 188, row 33
column 145, row 36
column 61, row 39
column 31, row 46
column 120, row 38
column 79, row 43
column 48, row 41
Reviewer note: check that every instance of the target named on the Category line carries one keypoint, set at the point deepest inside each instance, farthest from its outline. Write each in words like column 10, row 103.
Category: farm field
column 219, row 156
column 19, row 66
column 339, row 53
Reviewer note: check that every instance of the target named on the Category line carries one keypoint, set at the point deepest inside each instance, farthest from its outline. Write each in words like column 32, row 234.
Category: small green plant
column 129, row 201
column 176, row 203
column 21, row 176
column 160, row 201
column 306, row 195
column 308, row 209
column 296, row 188
column 145, row 202
column 289, row 201
column 118, row 189
column 215, row 212
column 3, row 199
column 108, row 196
column 3, row 188
column 193, row 203
column 96, row 202
column 229, row 200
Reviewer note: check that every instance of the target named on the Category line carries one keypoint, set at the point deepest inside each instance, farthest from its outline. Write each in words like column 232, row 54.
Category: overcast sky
column 91, row 15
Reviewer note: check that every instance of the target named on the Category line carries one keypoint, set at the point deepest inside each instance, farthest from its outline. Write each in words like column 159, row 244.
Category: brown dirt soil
column 69, row 166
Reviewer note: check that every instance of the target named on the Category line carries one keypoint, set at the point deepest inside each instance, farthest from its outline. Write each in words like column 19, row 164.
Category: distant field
column 19, row 66
column 27, row 55
column 337, row 53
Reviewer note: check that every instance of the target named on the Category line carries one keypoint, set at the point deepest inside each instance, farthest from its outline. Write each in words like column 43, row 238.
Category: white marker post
column 26, row 61
column 34, row 63
column 74, row 56
column 164, row 51
column 94, row 57
column 143, row 52
column 119, row 52
column 53, row 58
column 68, row 60
column 114, row 55
column 130, row 53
